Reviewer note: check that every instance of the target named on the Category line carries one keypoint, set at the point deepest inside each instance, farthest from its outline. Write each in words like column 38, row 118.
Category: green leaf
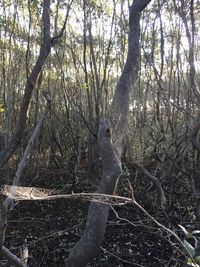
column 84, row 86
column 189, row 248
column 2, row 108
column 197, row 259
column 189, row 262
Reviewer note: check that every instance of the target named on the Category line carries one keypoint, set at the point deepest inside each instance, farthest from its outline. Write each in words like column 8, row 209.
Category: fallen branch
column 18, row 193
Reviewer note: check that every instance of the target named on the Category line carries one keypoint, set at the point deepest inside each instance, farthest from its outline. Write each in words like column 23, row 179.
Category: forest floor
column 132, row 239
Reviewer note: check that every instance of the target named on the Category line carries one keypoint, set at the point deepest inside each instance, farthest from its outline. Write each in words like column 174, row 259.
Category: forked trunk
column 110, row 135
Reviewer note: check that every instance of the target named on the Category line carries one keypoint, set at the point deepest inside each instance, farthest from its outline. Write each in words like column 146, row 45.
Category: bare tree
column 110, row 136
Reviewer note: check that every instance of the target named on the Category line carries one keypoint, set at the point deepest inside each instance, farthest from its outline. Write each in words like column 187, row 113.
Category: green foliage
column 191, row 249
column 84, row 86
column 190, row 263
column 2, row 108
column 125, row 170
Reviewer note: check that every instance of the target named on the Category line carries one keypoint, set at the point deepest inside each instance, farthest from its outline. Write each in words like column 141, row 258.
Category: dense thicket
column 80, row 74
column 82, row 71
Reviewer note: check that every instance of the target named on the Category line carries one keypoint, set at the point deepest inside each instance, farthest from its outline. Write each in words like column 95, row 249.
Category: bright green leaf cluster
column 84, row 86
column 2, row 108
column 189, row 262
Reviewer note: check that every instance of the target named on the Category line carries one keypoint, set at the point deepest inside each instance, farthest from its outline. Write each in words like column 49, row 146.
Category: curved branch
column 161, row 194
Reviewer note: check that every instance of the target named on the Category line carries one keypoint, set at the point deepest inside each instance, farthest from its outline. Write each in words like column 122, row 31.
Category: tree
column 45, row 49
column 110, row 136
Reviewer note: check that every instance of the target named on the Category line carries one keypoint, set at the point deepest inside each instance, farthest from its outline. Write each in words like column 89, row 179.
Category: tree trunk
column 110, row 137
column 15, row 139
column 5, row 204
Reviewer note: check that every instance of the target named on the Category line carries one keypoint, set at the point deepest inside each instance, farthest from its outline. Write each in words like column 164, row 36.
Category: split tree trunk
column 110, row 135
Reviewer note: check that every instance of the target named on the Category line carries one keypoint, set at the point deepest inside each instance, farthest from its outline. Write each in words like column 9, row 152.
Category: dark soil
column 132, row 239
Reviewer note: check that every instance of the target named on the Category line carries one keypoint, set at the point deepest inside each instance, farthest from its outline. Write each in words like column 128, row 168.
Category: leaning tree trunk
column 110, row 137
column 5, row 204
column 6, row 153
column 45, row 49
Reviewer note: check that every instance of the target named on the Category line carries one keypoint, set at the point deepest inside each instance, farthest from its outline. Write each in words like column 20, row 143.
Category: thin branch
column 55, row 39
column 161, row 194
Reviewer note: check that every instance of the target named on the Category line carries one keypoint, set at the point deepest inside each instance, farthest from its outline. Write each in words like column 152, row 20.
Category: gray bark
column 110, row 135
column 8, row 150
column 194, row 136
column 5, row 204
column 45, row 50
column 14, row 260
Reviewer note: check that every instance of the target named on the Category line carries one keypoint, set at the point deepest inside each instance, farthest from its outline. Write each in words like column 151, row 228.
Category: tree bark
column 3, row 221
column 110, row 137
column 5, row 204
column 14, row 260
column 14, row 141
column 194, row 136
